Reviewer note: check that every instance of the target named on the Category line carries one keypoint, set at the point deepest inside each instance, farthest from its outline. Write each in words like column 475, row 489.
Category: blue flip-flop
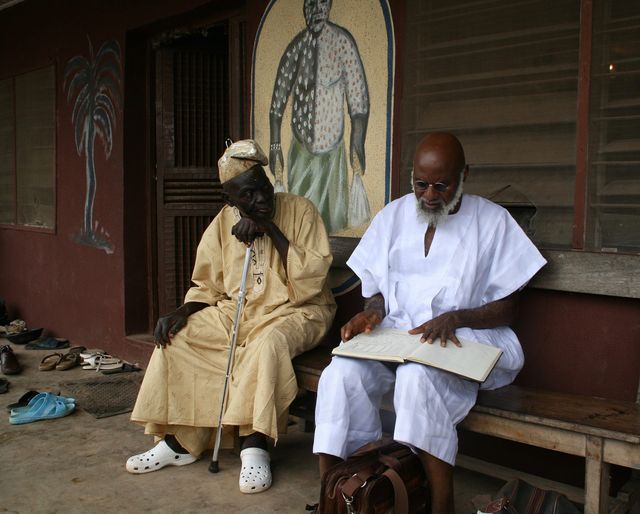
column 42, row 406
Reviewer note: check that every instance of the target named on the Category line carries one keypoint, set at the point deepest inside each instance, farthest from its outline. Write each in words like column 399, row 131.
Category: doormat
column 105, row 395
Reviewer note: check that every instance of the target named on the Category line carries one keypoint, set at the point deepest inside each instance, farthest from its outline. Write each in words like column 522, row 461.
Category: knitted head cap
column 239, row 157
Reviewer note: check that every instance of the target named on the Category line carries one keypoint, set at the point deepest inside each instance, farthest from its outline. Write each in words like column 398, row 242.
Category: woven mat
column 104, row 395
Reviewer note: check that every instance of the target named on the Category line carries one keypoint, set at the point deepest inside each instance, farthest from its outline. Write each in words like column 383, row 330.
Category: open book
column 473, row 360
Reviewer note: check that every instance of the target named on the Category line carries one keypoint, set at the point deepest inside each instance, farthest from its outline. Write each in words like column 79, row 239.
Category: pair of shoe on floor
column 99, row 360
column 60, row 361
column 255, row 473
column 40, row 407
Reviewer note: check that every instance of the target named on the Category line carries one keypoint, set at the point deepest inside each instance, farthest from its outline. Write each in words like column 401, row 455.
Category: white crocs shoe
column 255, row 475
column 157, row 458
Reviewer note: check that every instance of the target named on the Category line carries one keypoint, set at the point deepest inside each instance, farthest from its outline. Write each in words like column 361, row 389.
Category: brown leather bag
column 519, row 497
column 382, row 477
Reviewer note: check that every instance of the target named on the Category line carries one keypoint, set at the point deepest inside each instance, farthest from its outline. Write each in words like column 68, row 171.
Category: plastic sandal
column 38, row 400
column 255, row 474
column 126, row 368
column 48, row 343
column 91, row 352
column 156, row 458
column 50, row 407
column 24, row 400
column 102, row 361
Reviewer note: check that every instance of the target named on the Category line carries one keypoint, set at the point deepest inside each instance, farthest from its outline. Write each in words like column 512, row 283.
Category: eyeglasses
column 421, row 185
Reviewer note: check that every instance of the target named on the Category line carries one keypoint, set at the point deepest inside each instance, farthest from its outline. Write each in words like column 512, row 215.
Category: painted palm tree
column 94, row 84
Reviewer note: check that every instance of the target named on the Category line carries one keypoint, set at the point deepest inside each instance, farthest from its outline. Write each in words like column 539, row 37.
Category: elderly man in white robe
column 444, row 265
column 287, row 310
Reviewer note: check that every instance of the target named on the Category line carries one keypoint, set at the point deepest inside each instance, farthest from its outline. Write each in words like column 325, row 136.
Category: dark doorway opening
column 185, row 96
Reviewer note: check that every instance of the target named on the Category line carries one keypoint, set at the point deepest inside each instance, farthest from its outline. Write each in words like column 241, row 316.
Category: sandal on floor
column 36, row 401
column 91, row 352
column 48, row 407
column 102, row 361
column 68, row 361
column 49, row 362
column 48, row 343
column 126, row 368
column 157, row 458
column 255, row 474
column 23, row 401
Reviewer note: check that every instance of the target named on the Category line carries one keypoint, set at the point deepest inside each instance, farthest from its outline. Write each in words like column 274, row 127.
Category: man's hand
column 442, row 327
column 168, row 326
column 494, row 314
column 247, row 229
column 364, row 321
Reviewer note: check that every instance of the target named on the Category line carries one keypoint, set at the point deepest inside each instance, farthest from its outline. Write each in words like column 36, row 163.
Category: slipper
column 4, row 385
column 126, row 368
column 157, row 458
column 24, row 336
column 77, row 349
column 255, row 474
column 68, row 361
column 23, row 401
column 48, row 343
column 104, row 361
column 38, row 400
column 49, row 362
column 50, row 407
column 91, row 352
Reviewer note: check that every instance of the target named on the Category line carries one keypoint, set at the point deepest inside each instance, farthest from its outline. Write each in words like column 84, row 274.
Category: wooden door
column 194, row 116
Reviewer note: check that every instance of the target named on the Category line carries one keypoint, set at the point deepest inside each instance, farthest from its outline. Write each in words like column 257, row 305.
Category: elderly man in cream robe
column 287, row 310
column 443, row 265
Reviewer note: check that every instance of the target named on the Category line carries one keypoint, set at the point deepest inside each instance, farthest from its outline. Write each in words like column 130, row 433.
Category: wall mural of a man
column 320, row 69
column 322, row 102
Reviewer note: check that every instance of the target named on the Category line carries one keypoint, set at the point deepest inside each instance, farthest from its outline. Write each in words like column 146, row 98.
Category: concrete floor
column 75, row 464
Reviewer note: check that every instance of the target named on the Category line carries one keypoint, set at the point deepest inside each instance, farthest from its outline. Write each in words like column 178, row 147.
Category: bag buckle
column 348, row 500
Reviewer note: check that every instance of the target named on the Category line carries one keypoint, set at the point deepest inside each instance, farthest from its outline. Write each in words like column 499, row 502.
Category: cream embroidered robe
column 286, row 312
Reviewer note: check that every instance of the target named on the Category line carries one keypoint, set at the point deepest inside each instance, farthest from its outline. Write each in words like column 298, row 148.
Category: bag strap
column 357, row 481
column 400, row 495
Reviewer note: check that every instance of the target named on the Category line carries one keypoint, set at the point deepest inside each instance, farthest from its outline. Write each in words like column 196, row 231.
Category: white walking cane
column 213, row 467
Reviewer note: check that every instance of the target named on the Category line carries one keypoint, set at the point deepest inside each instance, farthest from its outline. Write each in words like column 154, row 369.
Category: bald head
column 440, row 148
column 439, row 169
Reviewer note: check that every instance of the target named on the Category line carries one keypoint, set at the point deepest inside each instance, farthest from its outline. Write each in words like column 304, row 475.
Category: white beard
column 433, row 219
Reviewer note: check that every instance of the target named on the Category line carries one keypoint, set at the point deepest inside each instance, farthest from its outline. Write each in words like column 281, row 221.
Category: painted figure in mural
column 287, row 310
column 445, row 265
column 94, row 84
column 320, row 67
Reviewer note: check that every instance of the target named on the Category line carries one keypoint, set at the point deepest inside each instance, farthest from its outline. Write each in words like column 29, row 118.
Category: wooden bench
column 603, row 432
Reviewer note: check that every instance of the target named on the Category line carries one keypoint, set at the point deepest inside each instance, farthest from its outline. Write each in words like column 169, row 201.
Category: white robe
column 478, row 255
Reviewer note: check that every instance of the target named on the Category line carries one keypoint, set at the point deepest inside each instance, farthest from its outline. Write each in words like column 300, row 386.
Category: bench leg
column 596, row 480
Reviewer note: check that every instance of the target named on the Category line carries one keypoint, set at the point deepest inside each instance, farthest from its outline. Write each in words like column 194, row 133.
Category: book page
column 381, row 344
column 473, row 360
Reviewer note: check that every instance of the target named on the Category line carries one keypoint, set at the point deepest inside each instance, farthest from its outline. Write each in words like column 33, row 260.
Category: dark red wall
column 579, row 343
column 48, row 279
column 573, row 342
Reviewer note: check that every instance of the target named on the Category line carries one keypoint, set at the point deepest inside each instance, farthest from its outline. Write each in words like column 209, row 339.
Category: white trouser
column 429, row 403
